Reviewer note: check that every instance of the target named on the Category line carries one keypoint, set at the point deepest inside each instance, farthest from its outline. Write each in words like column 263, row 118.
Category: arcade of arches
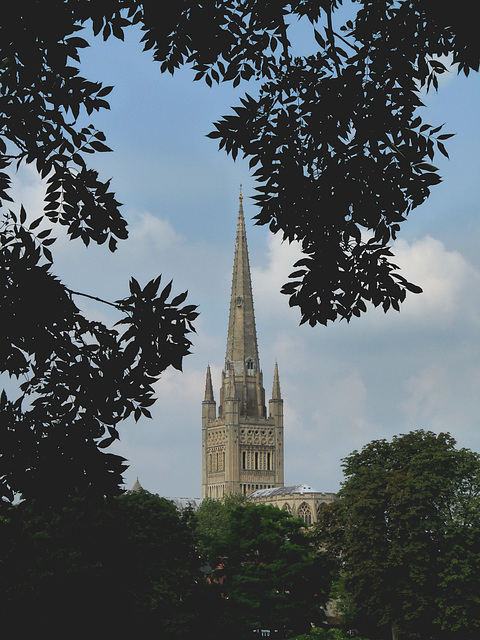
column 299, row 500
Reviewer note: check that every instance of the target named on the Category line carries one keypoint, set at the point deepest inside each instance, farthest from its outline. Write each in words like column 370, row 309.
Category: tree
column 341, row 152
column 406, row 531
column 119, row 566
column 267, row 571
column 77, row 378
column 213, row 521
column 159, row 567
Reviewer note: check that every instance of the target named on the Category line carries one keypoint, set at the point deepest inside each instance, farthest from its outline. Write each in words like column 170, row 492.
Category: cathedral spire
column 242, row 350
column 208, row 386
column 276, row 395
column 242, row 447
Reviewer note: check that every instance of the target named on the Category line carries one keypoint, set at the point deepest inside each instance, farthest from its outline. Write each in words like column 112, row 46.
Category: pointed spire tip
column 209, row 386
column 276, row 394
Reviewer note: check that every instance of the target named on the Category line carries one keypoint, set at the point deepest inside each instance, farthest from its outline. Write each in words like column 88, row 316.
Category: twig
column 87, row 295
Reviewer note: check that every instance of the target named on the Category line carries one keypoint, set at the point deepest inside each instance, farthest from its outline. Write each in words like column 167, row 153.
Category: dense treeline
column 127, row 563
column 136, row 564
column 397, row 556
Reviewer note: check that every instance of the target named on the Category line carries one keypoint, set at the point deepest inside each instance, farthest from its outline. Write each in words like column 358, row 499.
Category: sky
column 343, row 385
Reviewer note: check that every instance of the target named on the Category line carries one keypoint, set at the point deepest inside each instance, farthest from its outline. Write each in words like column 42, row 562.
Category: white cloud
column 428, row 392
column 29, row 190
column 149, row 233
column 380, row 375
column 174, row 386
column 448, row 280
column 268, row 280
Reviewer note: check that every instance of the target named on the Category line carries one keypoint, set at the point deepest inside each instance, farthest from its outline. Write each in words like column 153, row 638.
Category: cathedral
column 242, row 442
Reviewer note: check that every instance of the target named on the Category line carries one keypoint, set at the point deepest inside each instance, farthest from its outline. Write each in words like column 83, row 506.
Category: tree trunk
column 395, row 631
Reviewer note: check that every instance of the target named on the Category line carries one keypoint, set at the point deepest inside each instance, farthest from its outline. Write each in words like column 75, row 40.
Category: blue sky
column 343, row 385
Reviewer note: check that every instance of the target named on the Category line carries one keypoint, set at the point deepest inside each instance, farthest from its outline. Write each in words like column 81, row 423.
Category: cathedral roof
column 184, row 503
column 280, row 491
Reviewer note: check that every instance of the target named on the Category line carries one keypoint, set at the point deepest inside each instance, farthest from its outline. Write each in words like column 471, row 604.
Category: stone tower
column 242, row 446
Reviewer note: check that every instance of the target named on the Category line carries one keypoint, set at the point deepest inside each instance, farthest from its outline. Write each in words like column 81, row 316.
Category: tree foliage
column 340, row 150
column 111, row 567
column 266, row 566
column 78, row 379
column 319, row 633
column 213, row 523
column 131, row 565
column 406, row 529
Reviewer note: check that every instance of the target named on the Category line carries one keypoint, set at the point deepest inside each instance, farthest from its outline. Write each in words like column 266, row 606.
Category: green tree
column 268, row 572
column 406, row 530
column 213, row 520
column 126, row 565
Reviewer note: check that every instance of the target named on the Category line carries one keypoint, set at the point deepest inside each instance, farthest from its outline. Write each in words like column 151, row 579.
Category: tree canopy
column 133, row 564
column 77, row 378
column 267, row 567
column 341, row 152
column 406, row 531
column 337, row 139
column 113, row 567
